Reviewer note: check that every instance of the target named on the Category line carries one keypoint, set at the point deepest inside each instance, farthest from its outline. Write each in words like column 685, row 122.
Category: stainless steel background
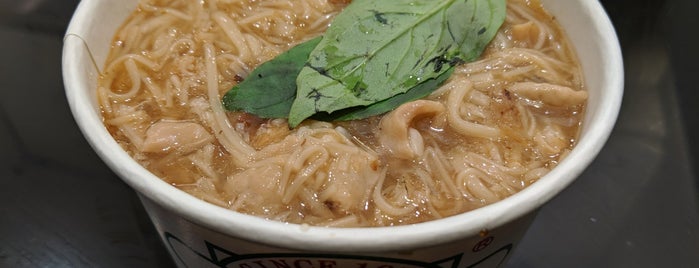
column 636, row 206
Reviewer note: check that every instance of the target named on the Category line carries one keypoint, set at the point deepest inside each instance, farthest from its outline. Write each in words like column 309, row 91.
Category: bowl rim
column 363, row 239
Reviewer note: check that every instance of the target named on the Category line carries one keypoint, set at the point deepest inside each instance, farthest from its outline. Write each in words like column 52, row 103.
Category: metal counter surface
column 637, row 205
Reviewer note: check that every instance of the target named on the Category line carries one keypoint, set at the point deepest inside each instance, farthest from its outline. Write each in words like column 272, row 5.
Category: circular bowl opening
column 86, row 46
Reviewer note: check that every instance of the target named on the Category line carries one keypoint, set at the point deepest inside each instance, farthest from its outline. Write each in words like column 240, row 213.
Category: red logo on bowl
column 481, row 245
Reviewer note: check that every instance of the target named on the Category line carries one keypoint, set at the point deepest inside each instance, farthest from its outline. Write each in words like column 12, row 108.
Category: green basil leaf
column 417, row 92
column 375, row 50
column 270, row 89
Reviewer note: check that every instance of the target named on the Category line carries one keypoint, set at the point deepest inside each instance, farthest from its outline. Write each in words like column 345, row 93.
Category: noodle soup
column 496, row 126
column 199, row 234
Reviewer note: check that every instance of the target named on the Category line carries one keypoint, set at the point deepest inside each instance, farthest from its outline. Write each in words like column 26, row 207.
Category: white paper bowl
column 200, row 234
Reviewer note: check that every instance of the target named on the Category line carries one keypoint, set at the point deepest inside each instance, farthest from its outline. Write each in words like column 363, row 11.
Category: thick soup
column 497, row 125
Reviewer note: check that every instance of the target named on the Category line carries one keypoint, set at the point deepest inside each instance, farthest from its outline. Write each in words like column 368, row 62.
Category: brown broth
column 164, row 43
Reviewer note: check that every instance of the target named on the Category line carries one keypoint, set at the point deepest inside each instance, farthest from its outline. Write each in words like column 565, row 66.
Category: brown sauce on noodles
column 495, row 127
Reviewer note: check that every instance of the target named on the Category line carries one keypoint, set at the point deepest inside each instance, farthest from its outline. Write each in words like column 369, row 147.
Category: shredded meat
column 183, row 137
